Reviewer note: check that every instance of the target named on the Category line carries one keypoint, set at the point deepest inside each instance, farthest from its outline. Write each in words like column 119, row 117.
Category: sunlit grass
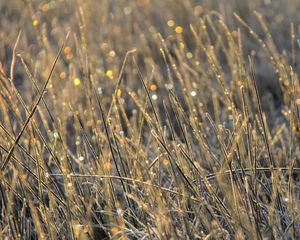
column 149, row 120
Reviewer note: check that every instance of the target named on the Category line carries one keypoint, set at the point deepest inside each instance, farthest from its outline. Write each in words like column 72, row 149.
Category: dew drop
column 169, row 86
column 154, row 97
column 193, row 93
column 119, row 211
column 127, row 10
column 55, row 135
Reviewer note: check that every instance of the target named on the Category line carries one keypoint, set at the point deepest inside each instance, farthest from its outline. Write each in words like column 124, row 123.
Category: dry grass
column 149, row 119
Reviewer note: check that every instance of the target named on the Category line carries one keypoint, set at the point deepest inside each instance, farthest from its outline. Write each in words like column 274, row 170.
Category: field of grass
column 149, row 119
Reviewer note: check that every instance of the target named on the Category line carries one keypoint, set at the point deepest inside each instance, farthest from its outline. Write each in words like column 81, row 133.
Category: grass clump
column 149, row 120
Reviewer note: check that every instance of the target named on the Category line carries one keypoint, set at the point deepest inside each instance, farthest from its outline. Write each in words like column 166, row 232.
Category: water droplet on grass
column 119, row 211
column 193, row 93
column 55, row 134
column 169, row 86
column 127, row 10
column 154, row 97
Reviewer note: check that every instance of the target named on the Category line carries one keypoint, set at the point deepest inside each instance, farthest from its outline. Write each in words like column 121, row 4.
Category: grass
column 149, row 119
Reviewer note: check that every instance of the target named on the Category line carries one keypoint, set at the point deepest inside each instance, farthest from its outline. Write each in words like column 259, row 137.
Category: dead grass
column 149, row 120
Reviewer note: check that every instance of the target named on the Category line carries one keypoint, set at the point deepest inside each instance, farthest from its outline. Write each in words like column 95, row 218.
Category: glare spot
column 46, row 174
column 55, row 135
column 62, row 75
column 169, row 86
column 35, row 23
column 112, row 53
column 81, row 158
column 154, row 97
column 171, row 23
column 193, row 93
column 121, row 133
column 99, row 90
column 69, row 56
column 109, row 73
column 189, row 55
column 77, row 81
column 179, row 29
column 114, row 230
column 153, row 87
column 119, row 211
column 165, row 162
column 198, row 10
column 45, row 7
column 67, row 50
column 104, row 46
column 119, row 93
column 127, row 10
